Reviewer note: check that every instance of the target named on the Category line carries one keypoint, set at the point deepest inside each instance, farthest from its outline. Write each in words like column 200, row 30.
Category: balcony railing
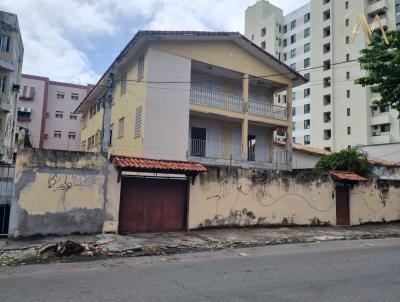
column 234, row 103
column 216, row 99
column 269, row 110
column 200, row 148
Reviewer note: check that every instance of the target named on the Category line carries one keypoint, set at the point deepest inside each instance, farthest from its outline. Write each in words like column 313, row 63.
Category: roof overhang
column 347, row 176
column 142, row 37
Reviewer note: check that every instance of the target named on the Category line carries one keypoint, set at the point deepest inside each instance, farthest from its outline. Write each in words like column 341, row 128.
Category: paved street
column 362, row 270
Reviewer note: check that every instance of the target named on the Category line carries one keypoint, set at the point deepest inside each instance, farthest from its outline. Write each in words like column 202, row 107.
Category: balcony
column 381, row 138
column 380, row 119
column 232, row 103
column 231, row 154
column 374, row 5
column 216, row 100
column 23, row 119
column 264, row 109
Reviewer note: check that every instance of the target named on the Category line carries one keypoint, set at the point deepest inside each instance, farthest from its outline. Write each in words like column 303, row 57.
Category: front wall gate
column 7, row 173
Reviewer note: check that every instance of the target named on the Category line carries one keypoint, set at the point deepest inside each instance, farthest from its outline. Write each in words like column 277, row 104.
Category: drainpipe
column 107, row 104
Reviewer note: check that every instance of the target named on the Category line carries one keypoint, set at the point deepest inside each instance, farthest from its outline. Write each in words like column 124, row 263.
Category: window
column 60, row 95
column 73, row 116
column 293, row 126
column 327, row 99
column 263, row 45
column 57, row 134
column 5, row 41
column 326, row 31
column 385, row 128
column 293, row 140
column 326, row 65
column 307, row 124
column 138, row 122
column 307, row 140
column 347, row 39
column 83, row 145
column 348, row 111
column 307, row 76
column 347, row 57
column 307, row 92
column 91, row 142
column 347, row 22
column 293, row 95
column 348, row 130
column 306, row 108
column 293, row 66
column 326, row 47
column 384, row 108
column 122, row 83
column 326, row 15
column 280, row 42
column 307, row 47
column 284, row 42
column 293, row 24
column 326, row 1
column 327, row 134
column 293, row 39
column 284, row 29
column 263, row 31
column 3, row 83
column 306, row 32
column 348, row 93
column 327, row 82
column 348, row 75
column 140, row 67
column 71, row 135
column 74, row 96
column 95, row 107
column 307, row 18
column 285, row 56
column 293, row 111
column 111, row 135
column 346, row 5
column 306, row 62
column 280, row 28
column 327, row 117
column 59, row 114
column 293, row 53
column 121, row 127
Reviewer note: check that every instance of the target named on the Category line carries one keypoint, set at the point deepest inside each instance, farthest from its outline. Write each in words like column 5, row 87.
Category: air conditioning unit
column 376, row 133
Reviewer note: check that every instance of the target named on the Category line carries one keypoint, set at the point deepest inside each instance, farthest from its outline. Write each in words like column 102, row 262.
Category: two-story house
column 206, row 97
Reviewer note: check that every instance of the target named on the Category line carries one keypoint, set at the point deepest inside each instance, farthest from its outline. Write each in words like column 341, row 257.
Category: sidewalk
column 84, row 247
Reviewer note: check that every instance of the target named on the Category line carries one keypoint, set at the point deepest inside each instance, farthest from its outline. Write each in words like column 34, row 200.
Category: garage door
column 152, row 205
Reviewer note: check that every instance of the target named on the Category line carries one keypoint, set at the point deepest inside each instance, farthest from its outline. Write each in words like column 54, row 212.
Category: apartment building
column 198, row 96
column 46, row 108
column 333, row 113
column 11, row 58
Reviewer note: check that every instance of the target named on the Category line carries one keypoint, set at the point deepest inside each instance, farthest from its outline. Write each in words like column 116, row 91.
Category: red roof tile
column 146, row 164
column 347, row 176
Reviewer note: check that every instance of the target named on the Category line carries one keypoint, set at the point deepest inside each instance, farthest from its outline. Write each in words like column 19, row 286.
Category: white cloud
column 56, row 33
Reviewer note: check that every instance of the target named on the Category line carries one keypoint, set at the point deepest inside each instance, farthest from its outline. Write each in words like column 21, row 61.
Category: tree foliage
column 352, row 160
column 382, row 61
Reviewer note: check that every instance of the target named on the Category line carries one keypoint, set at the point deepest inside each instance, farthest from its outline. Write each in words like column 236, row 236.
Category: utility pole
column 107, row 104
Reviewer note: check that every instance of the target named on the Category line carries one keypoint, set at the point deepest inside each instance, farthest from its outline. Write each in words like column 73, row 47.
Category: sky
column 76, row 40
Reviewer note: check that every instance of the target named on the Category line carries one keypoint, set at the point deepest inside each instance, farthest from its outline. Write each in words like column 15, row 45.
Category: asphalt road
column 330, row 271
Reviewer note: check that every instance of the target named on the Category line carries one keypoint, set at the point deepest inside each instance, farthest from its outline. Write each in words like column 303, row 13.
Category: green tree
column 352, row 160
column 382, row 61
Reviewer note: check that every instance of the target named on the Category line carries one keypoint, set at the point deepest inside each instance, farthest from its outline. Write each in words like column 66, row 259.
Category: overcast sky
column 76, row 40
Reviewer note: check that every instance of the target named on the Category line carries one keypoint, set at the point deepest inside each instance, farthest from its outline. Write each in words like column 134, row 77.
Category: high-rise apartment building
column 46, row 108
column 330, row 111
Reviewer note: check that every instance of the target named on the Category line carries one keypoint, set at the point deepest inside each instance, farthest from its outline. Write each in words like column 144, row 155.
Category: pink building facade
column 46, row 109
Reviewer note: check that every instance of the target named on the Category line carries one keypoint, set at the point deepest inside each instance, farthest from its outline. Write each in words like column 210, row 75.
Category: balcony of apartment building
column 24, row 114
column 375, row 6
column 221, row 142
column 380, row 122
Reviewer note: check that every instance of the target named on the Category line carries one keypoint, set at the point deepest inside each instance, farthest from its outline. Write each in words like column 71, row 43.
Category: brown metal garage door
column 152, row 205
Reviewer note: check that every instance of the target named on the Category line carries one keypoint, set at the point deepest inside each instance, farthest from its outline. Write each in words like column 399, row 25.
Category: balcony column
column 289, row 133
column 245, row 122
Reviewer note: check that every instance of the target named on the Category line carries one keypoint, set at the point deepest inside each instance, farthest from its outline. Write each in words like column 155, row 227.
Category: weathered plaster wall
column 223, row 197
column 59, row 192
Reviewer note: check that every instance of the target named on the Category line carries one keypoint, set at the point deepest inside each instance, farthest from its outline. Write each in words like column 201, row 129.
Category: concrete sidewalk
column 47, row 249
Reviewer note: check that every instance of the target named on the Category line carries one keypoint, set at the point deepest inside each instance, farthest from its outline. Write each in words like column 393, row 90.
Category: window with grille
column 74, row 96
column 121, row 127
column 138, row 122
column 71, row 135
column 57, row 134
column 5, row 42
column 60, row 95
column 59, row 114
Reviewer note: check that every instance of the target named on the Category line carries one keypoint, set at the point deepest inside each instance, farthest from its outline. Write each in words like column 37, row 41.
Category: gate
column 7, row 173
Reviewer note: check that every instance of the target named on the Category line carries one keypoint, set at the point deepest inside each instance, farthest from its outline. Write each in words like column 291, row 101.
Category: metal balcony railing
column 200, row 148
column 264, row 109
column 216, row 99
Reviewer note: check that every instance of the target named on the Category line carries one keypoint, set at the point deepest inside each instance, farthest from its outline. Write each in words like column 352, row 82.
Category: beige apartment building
column 330, row 111
column 11, row 57
column 46, row 108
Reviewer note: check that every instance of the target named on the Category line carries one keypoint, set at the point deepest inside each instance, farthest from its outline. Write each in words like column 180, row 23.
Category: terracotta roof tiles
column 344, row 175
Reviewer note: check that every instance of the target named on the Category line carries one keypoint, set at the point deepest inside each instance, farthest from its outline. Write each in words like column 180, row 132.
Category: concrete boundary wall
column 59, row 192
column 232, row 197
